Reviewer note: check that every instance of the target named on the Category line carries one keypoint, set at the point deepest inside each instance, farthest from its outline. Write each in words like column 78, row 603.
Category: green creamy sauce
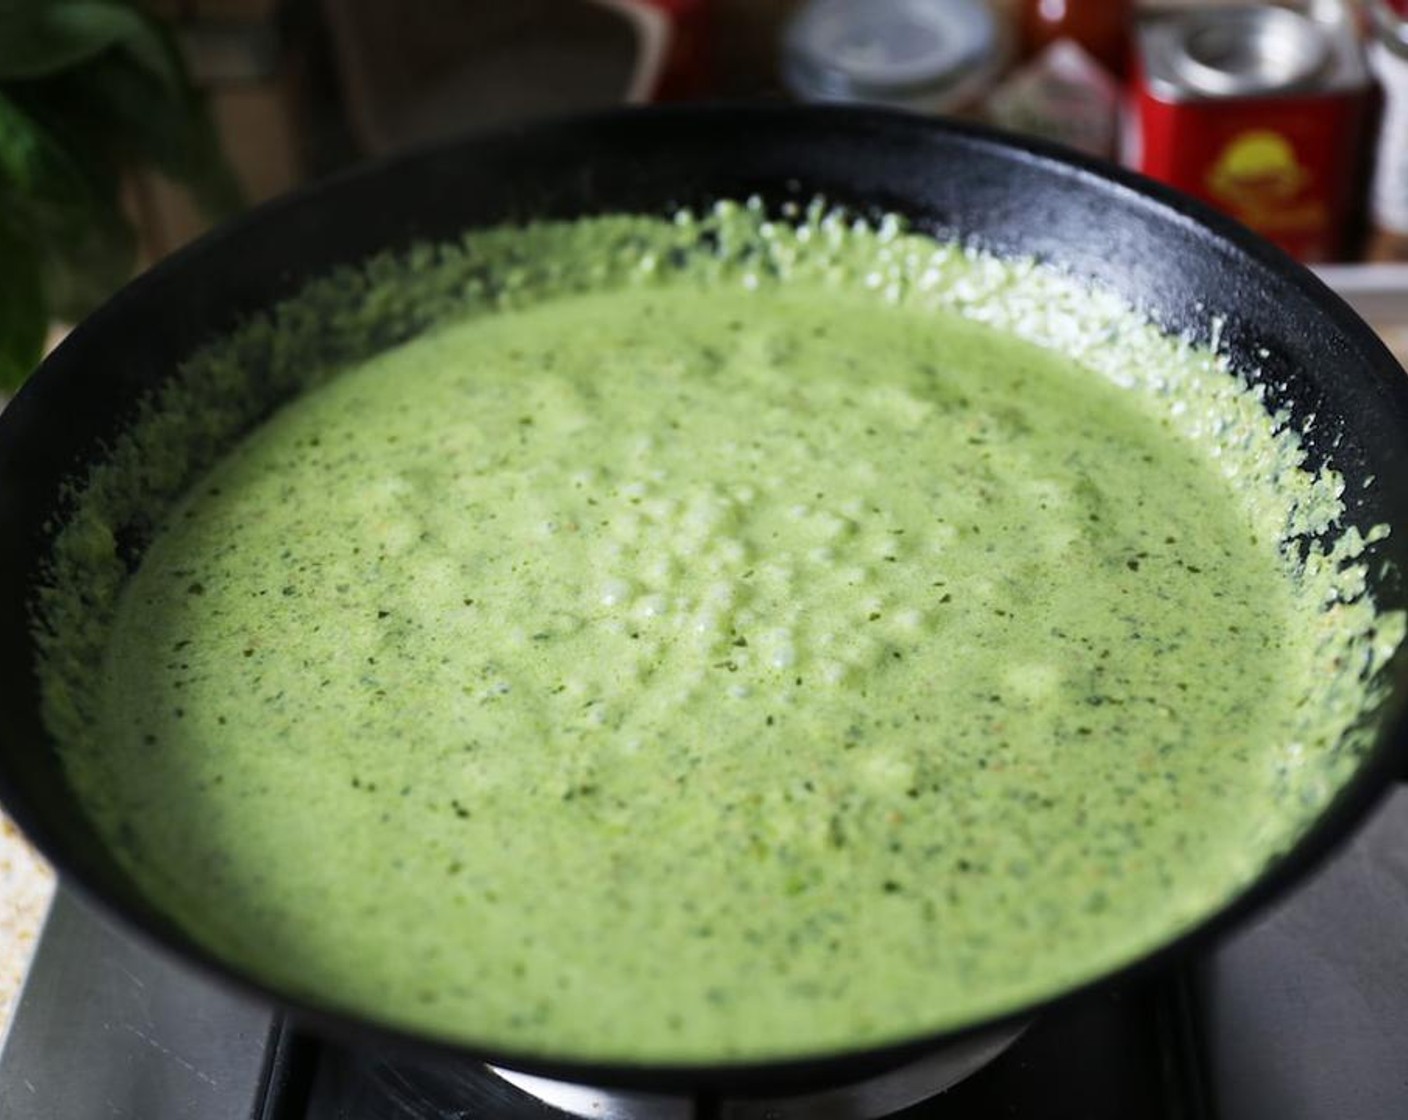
column 691, row 669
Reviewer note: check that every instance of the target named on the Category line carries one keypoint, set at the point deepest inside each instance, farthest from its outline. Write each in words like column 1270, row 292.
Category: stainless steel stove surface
column 1301, row 1016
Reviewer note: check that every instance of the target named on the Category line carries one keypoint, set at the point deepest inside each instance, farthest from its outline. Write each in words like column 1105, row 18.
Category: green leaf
column 23, row 322
column 35, row 169
column 39, row 38
column 68, row 213
column 93, row 85
column 110, row 106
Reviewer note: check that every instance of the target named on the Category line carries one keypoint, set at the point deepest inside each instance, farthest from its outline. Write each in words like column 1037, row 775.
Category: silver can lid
column 1247, row 51
column 912, row 53
column 1390, row 23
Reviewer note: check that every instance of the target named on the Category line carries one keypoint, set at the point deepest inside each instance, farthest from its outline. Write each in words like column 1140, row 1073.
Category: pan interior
column 729, row 637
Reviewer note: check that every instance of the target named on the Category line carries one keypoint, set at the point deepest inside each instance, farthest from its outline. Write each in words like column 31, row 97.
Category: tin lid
column 912, row 53
column 1247, row 51
column 1390, row 23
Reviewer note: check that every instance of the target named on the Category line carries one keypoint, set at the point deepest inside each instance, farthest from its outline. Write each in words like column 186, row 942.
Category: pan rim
column 1334, row 824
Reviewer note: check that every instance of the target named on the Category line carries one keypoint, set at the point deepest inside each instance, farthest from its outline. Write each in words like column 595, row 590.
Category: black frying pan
column 1176, row 260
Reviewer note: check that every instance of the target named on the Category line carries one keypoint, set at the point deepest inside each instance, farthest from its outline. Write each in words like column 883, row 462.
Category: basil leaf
column 90, row 86
column 109, row 106
column 36, row 171
column 39, row 38
column 23, row 322
column 67, row 211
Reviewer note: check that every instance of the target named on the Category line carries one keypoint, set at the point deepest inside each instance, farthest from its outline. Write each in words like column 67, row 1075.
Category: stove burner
column 862, row 1100
column 600, row 1104
column 434, row 1091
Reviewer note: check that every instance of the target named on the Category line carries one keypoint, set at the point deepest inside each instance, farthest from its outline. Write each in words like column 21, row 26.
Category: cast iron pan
column 1173, row 258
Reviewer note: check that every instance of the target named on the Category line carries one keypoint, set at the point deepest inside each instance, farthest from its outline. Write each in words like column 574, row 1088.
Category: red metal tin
column 687, row 68
column 1259, row 111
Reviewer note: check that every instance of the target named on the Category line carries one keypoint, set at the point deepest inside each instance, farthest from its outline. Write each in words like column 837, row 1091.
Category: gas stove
column 1302, row 1015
